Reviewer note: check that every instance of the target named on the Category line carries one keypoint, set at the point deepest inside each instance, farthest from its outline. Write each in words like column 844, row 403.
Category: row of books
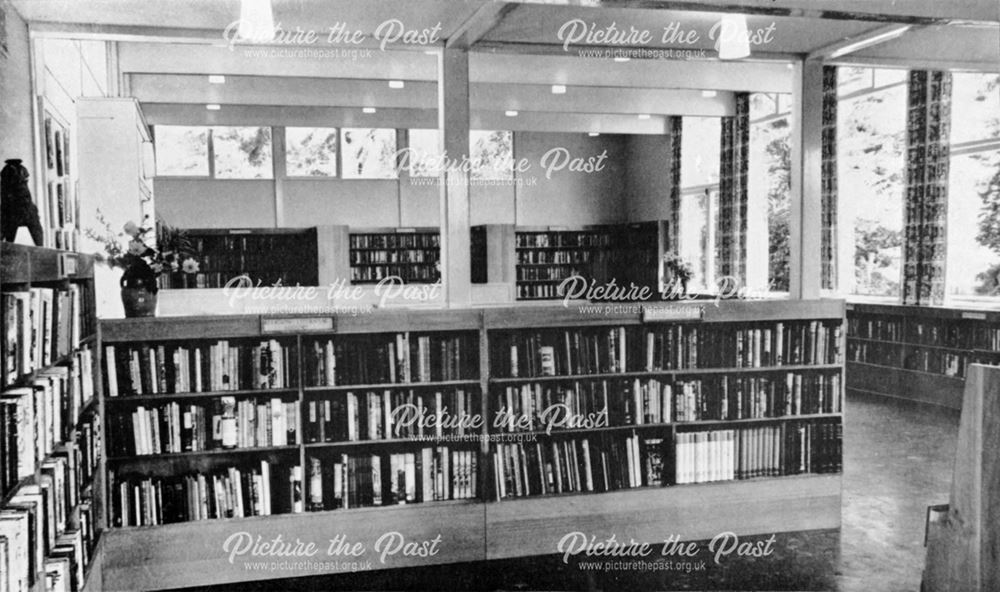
column 235, row 254
column 968, row 334
column 182, row 367
column 759, row 451
column 37, row 419
column 563, row 238
column 547, row 274
column 538, row 291
column 396, row 240
column 869, row 327
column 755, row 397
column 222, row 423
column 357, row 480
column 40, row 327
column 390, row 414
column 683, row 346
column 528, row 257
column 944, row 362
column 396, row 256
column 408, row 273
column 219, row 279
column 230, row 492
column 386, row 358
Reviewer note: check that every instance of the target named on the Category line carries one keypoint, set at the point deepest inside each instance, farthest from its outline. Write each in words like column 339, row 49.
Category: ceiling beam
column 477, row 26
column 871, row 38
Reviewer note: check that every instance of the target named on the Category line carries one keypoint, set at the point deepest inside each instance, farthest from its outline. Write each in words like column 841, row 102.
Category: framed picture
column 49, row 147
column 58, row 141
column 65, row 153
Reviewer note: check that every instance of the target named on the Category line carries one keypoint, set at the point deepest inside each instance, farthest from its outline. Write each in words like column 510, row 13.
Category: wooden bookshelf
column 56, row 374
column 265, row 256
column 545, row 256
column 484, row 525
column 411, row 254
column 918, row 353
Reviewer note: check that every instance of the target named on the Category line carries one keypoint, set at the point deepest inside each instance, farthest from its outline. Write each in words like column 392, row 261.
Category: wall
column 647, row 182
column 16, row 139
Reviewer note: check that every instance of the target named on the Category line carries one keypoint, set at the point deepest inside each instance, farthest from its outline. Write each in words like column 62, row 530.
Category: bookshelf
column 918, row 353
column 457, row 363
column 50, row 439
column 412, row 254
column 266, row 256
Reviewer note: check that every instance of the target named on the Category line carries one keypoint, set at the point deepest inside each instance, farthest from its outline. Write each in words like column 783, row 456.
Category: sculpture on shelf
column 16, row 206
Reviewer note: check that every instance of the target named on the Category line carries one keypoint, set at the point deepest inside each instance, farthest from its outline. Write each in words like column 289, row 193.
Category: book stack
column 757, row 396
column 388, row 358
column 562, row 352
column 40, row 327
column 268, row 258
column 412, row 257
column 224, row 422
column 171, row 368
column 389, row 414
column 426, row 475
column 231, row 492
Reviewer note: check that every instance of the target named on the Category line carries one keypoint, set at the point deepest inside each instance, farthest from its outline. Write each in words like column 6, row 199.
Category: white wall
column 16, row 136
column 648, row 178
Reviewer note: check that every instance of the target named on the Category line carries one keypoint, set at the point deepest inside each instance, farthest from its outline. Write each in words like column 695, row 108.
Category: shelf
column 909, row 344
column 658, row 373
column 394, row 385
column 913, row 371
column 125, row 399
column 429, row 440
column 167, row 456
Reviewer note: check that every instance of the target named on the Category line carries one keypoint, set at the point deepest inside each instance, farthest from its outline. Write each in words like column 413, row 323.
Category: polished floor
column 897, row 460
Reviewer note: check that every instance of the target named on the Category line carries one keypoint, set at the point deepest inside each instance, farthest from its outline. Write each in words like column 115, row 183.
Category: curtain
column 928, row 130
column 828, row 193
column 731, row 246
column 676, row 126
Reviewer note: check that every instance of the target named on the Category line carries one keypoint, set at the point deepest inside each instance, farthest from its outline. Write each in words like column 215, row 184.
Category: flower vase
column 138, row 298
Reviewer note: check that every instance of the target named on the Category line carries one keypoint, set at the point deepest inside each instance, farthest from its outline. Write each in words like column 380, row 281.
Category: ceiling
column 518, row 50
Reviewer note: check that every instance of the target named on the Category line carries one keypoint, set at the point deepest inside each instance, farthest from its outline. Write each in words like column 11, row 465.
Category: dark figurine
column 16, row 207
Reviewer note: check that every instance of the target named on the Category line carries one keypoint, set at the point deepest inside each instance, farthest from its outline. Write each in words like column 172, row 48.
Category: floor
column 897, row 459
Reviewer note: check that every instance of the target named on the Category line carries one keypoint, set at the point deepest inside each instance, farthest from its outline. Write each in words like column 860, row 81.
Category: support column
column 453, row 127
column 807, row 179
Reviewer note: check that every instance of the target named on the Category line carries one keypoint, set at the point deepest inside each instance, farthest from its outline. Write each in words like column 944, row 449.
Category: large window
column 311, row 151
column 491, row 154
column 181, row 150
column 700, row 151
column 973, row 254
column 871, row 126
column 368, row 153
column 423, row 154
column 769, row 200
column 242, row 152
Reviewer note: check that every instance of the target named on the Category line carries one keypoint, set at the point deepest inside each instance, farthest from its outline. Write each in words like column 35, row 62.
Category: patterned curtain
column 928, row 130
column 828, row 194
column 731, row 242
column 676, row 126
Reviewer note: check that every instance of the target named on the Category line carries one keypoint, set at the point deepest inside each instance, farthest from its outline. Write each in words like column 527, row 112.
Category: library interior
column 499, row 295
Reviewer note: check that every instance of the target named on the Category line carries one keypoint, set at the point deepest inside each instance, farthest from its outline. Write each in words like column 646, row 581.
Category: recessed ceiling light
column 368, row 110
column 396, row 84
column 213, row 107
column 216, row 79
column 593, row 134
column 622, row 60
column 510, row 113
column 708, row 94
column 644, row 116
column 558, row 89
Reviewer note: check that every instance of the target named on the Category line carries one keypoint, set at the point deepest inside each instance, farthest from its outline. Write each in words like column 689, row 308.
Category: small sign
column 405, row 230
column 977, row 316
column 240, row 231
column 67, row 264
column 672, row 312
column 296, row 324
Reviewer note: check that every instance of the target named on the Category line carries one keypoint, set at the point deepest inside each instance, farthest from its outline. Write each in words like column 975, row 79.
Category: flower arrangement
column 141, row 263
column 676, row 268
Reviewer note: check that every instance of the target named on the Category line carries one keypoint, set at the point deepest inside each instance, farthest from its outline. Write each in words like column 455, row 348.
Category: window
column 181, row 150
column 492, row 154
column 311, row 151
column 769, row 200
column 871, row 126
column 368, row 153
column 423, row 153
column 700, row 152
column 973, row 253
column 242, row 152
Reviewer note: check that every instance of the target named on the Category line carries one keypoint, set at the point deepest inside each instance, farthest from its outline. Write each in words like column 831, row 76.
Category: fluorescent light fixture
column 644, row 116
column 256, row 20
column 622, row 60
column 216, row 79
column 734, row 39
column 708, row 94
column 213, row 106
column 558, row 89
column 593, row 134
column 368, row 110
column 510, row 113
column 396, row 84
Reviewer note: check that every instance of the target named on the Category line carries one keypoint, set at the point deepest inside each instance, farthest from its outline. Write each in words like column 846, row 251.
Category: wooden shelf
column 167, row 456
column 393, row 386
column 660, row 373
column 136, row 399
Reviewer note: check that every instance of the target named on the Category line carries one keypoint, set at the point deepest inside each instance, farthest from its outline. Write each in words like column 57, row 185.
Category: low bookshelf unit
column 418, row 437
column 918, row 353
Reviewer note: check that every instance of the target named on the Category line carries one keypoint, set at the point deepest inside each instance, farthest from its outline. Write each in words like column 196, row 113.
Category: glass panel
column 181, row 150
column 769, row 200
column 368, row 153
column 423, row 153
column 242, row 152
column 311, row 151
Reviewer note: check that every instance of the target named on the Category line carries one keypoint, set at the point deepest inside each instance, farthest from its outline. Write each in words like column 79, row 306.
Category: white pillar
column 453, row 127
column 805, row 224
